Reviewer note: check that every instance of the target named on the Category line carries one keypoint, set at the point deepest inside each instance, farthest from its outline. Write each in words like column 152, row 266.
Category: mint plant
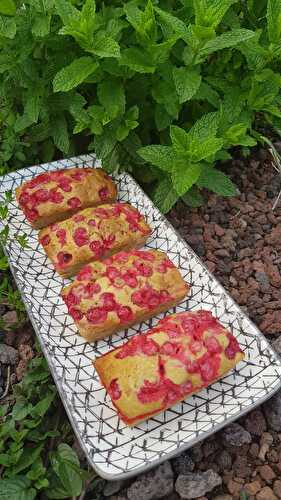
column 119, row 77
column 36, row 443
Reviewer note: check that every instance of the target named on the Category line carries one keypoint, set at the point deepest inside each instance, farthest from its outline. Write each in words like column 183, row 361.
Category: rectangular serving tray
column 114, row 450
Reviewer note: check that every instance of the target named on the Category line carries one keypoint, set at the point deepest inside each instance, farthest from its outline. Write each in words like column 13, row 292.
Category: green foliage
column 36, row 456
column 8, row 295
column 118, row 77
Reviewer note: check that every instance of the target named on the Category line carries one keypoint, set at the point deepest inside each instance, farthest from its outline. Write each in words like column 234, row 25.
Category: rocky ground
column 240, row 241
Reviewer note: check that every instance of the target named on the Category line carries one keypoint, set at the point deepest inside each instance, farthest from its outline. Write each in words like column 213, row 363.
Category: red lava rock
column 223, row 497
column 25, row 352
column 233, row 487
column 245, row 257
column 254, row 450
column 10, row 319
column 274, row 275
column 266, row 493
column 241, row 467
column 219, row 231
column 258, row 266
column 252, row 488
column 210, row 265
column 279, row 468
column 273, row 456
column 255, row 423
column 20, row 369
column 274, row 237
column 271, row 322
column 277, row 488
column 10, row 337
column 266, row 473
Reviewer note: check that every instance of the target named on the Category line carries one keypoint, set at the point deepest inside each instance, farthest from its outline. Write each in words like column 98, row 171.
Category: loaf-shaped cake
column 151, row 372
column 54, row 196
column 93, row 233
column 125, row 289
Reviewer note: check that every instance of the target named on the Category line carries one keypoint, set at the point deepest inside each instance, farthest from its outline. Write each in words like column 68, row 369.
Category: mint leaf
column 183, row 179
column 112, row 97
column 160, row 156
column 75, row 73
column 180, row 139
column 41, row 25
column 229, row 39
column 199, row 150
column 137, row 60
column 273, row 16
column 211, row 12
column 187, row 83
column 65, row 464
column 264, row 90
column 66, row 11
column 17, row 488
column 235, row 133
column 105, row 46
column 143, row 22
column 176, row 25
column 216, row 181
column 29, row 456
column 193, row 198
column 7, row 7
column 256, row 55
column 88, row 14
column 205, row 127
column 207, row 93
column 104, row 144
column 60, row 133
column 20, row 410
column 8, row 27
column 32, row 106
column 164, row 195
column 164, row 92
column 162, row 117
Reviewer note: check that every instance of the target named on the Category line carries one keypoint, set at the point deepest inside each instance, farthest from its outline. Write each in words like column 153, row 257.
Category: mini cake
column 151, row 372
column 54, row 196
column 93, row 233
column 122, row 290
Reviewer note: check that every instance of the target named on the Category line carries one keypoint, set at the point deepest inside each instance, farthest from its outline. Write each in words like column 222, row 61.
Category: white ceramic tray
column 114, row 450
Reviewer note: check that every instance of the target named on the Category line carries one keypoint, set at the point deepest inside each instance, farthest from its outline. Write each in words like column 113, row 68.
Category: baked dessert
column 54, row 196
column 125, row 289
column 151, row 372
column 91, row 234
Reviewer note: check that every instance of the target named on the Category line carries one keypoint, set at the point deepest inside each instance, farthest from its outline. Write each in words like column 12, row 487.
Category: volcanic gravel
column 239, row 239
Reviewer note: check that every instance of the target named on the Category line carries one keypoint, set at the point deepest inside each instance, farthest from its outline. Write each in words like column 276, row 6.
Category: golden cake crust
column 123, row 290
column 184, row 353
column 54, row 196
column 92, row 234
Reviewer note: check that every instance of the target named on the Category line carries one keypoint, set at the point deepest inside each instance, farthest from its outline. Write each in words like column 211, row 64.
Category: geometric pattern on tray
column 114, row 450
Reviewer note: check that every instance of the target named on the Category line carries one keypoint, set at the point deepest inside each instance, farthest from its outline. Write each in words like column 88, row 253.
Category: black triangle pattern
column 113, row 449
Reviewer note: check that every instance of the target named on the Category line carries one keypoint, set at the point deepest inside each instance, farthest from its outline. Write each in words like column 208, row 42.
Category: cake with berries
column 122, row 290
column 92, row 234
column 54, row 196
column 184, row 353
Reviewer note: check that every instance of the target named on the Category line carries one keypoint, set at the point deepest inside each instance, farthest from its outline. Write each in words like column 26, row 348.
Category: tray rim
column 204, row 434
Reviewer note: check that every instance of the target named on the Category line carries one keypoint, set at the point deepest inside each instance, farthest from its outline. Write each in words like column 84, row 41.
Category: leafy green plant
column 9, row 295
column 116, row 77
column 36, row 456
